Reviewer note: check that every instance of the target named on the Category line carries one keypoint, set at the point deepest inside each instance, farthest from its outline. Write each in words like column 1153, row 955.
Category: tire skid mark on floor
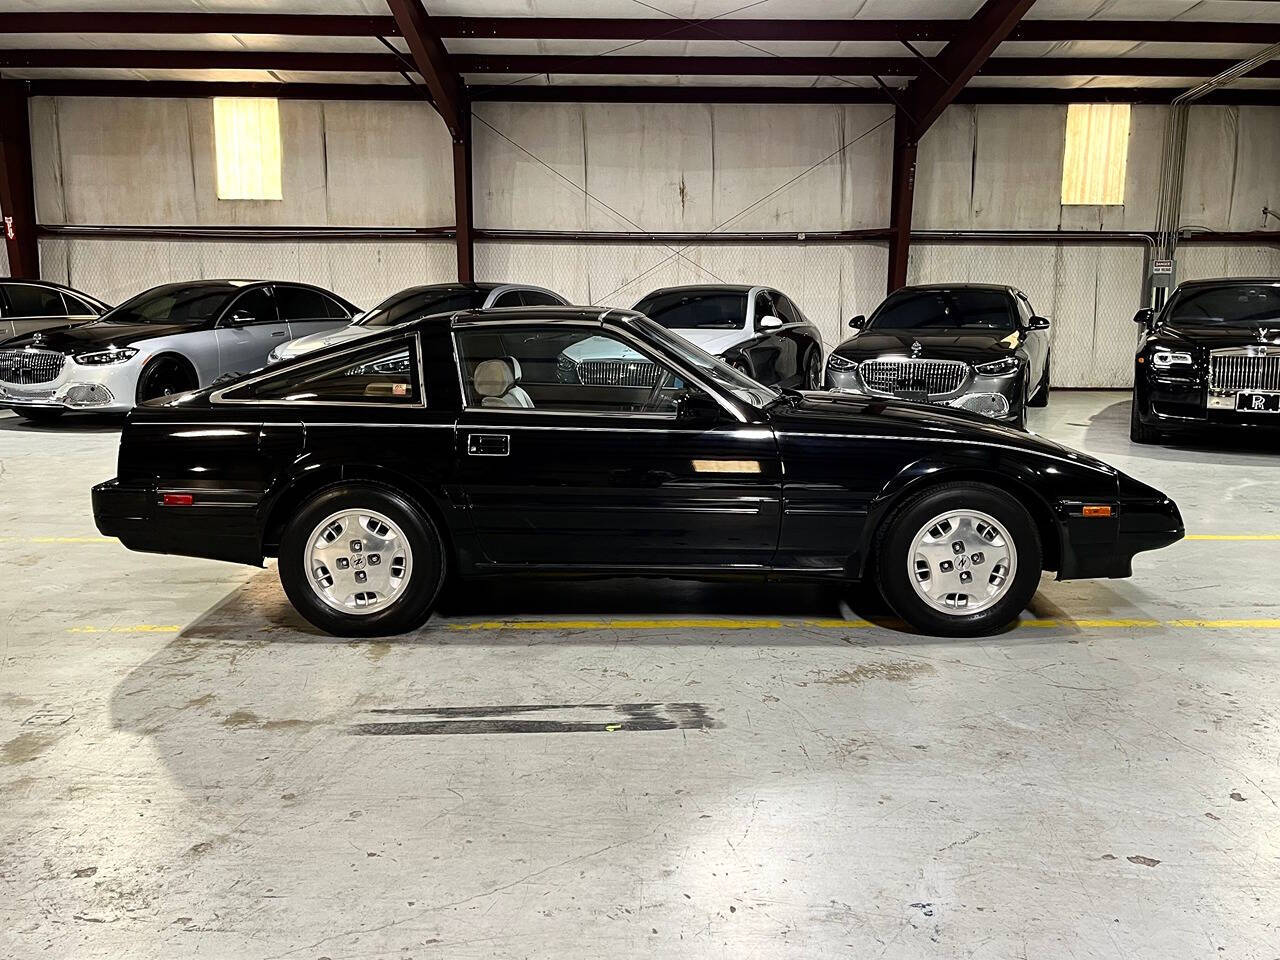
column 515, row 718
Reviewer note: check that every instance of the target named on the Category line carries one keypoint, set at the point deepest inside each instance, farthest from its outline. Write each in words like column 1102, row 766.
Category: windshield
column 1241, row 304
column 196, row 304
column 944, row 310
column 397, row 309
column 739, row 384
column 690, row 310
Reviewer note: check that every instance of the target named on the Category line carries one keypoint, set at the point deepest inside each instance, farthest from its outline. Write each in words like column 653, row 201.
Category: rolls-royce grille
column 933, row 377
column 618, row 373
column 30, row 366
column 1241, row 372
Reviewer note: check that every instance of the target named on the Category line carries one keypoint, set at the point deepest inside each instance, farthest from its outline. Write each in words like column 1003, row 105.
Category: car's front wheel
column 959, row 560
column 163, row 377
column 1139, row 432
column 813, row 370
column 362, row 561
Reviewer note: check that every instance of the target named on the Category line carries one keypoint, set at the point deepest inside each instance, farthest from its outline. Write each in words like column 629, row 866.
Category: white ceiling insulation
column 1155, row 10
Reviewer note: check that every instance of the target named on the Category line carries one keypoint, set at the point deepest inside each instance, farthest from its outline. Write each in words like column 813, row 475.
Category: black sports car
column 451, row 445
column 976, row 347
column 1211, row 357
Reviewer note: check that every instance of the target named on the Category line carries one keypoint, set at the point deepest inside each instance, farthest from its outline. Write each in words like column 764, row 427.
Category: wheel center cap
column 962, row 562
column 357, row 562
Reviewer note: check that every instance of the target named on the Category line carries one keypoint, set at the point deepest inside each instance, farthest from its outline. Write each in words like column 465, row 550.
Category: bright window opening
column 246, row 134
column 1097, row 152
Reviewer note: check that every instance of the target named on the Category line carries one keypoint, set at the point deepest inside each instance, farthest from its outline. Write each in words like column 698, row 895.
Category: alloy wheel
column 358, row 561
column 962, row 562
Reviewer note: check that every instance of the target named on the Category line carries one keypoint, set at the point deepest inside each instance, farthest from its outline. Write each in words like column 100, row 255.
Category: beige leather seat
column 498, row 384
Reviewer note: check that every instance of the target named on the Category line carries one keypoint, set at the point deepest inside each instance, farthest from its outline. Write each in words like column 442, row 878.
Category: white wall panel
column 1204, row 261
column 1017, row 169
column 529, row 163
column 141, row 162
column 1257, row 170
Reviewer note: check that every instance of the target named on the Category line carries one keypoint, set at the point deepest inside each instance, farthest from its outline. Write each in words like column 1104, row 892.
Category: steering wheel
column 650, row 404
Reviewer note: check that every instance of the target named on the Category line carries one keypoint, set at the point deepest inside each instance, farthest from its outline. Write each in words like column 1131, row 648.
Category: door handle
column 277, row 333
column 488, row 444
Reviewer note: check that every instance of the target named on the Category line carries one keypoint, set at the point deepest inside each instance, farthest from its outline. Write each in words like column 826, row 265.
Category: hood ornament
column 1263, row 333
column 916, row 348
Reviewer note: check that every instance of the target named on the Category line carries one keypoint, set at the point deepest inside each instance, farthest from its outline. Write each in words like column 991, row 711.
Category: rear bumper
column 1105, row 547
column 225, row 529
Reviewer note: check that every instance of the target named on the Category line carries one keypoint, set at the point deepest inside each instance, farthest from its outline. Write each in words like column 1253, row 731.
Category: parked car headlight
column 99, row 357
column 837, row 362
column 1164, row 359
column 276, row 355
column 999, row 368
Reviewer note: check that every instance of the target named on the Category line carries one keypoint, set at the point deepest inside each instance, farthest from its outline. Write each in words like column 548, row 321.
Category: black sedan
column 451, row 445
column 1210, row 358
column 976, row 347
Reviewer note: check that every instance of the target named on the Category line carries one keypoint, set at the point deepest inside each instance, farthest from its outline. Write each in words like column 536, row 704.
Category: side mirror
column 1038, row 323
column 694, row 406
column 770, row 323
column 858, row 322
column 1145, row 317
column 240, row 318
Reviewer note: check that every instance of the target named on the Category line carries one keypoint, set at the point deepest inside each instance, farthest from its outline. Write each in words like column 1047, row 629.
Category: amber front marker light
column 1097, row 510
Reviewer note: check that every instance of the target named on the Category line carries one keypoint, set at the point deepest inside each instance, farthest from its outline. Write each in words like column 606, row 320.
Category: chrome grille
column 618, row 373
column 30, row 366
column 1239, row 371
column 934, row 377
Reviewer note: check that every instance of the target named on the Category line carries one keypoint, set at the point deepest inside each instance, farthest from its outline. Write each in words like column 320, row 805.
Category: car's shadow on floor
column 73, row 423
column 1107, row 433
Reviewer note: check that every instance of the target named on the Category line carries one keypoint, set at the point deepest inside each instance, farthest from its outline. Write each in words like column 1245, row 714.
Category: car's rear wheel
column 362, row 561
column 163, row 377
column 960, row 560
column 39, row 414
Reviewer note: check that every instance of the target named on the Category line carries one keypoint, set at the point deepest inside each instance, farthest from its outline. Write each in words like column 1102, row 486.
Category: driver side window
column 764, row 308
column 563, row 369
column 252, row 307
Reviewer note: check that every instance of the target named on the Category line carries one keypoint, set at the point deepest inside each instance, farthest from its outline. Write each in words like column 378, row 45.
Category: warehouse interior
column 718, row 769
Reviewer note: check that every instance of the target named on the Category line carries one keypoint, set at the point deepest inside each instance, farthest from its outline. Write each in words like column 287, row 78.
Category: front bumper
column 108, row 388
column 1105, row 546
column 214, row 526
column 1171, row 402
column 999, row 398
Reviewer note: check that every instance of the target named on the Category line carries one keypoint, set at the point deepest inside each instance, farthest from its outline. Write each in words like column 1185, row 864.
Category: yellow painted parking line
column 726, row 623
column 1233, row 536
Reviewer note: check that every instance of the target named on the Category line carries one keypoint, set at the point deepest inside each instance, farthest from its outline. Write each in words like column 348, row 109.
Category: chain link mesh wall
column 1203, row 261
column 364, row 271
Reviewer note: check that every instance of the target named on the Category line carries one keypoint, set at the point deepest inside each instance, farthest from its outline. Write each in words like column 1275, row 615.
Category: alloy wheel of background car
column 931, row 542
column 813, row 376
column 328, row 570
column 1041, row 397
column 163, row 377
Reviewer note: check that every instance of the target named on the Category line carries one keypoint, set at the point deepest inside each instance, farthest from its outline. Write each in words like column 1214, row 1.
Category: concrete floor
column 187, row 769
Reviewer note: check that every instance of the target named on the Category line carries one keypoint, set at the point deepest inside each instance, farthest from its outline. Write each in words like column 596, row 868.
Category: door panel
column 243, row 347
column 627, row 492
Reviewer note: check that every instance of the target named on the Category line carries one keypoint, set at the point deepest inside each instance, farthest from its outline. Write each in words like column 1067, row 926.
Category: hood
column 97, row 335
column 836, row 413
column 1215, row 335
column 972, row 346
column 714, row 341
column 318, row 341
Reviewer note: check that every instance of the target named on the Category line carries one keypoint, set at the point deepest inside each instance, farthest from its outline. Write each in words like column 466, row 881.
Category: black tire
column 813, row 370
column 894, row 544
column 1139, row 432
column 741, row 366
column 1019, row 421
column 1041, row 397
column 39, row 414
column 163, row 377
column 418, row 595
